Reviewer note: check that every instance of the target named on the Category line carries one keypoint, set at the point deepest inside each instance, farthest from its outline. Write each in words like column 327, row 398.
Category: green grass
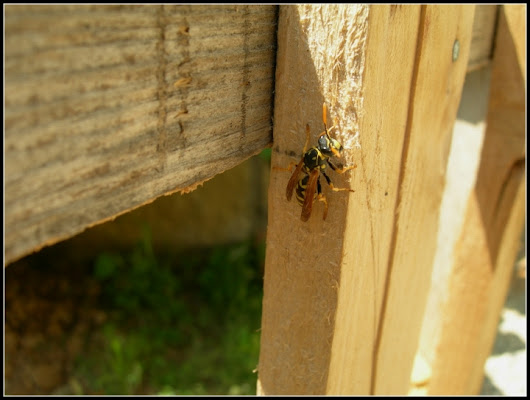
column 177, row 325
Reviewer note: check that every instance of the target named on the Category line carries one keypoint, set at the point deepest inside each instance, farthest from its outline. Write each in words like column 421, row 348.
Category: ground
column 54, row 317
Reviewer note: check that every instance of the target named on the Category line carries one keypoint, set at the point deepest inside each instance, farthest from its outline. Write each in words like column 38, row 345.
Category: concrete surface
column 506, row 368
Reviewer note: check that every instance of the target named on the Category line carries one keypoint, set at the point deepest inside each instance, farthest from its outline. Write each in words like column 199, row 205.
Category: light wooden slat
column 330, row 309
column 94, row 123
column 370, row 214
column 484, row 26
column 488, row 239
column 468, row 134
column 437, row 87
column 316, row 62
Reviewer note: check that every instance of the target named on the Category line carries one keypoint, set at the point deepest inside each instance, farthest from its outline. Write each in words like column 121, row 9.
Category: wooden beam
column 316, row 63
column 464, row 157
column 442, row 58
column 109, row 107
column 344, row 297
column 485, row 252
column 118, row 105
column 484, row 26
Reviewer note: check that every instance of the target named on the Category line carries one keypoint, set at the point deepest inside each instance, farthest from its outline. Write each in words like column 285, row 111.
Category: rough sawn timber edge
column 330, row 323
column 118, row 105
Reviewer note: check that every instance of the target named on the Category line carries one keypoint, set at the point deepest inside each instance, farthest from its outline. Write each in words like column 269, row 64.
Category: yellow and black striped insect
column 312, row 164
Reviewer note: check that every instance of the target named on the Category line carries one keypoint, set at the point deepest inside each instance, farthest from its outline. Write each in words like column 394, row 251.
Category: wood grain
column 435, row 95
column 316, row 62
column 109, row 107
column 344, row 297
column 370, row 215
column 487, row 245
column 484, row 25
column 466, row 145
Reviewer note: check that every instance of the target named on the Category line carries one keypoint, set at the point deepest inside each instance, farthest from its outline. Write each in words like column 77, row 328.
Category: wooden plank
column 317, row 61
column 484, row 26
column 464, row 158
column 110, row 107
column 488, row 241
column 370, row 215
column 435, row 97
column 330, row 307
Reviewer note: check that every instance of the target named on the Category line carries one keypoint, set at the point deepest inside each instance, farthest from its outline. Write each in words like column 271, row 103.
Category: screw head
column 456, row 50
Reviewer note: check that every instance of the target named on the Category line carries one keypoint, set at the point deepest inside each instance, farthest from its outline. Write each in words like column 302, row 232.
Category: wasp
column 312, row 165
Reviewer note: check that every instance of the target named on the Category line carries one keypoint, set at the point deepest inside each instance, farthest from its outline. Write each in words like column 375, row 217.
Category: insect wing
column 294, row 180
column 309, row 195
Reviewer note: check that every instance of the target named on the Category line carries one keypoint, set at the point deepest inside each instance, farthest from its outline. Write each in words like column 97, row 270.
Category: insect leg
column 335, row 189
column 289, row 167
column 322, row 198
column 340, row 170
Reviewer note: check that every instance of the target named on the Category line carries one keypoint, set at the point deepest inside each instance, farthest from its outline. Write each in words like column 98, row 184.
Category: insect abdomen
column 300, row 190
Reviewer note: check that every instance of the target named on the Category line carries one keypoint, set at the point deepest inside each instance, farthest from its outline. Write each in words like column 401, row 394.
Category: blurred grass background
column 143, row 322
column 166, row 299
column 186, row 325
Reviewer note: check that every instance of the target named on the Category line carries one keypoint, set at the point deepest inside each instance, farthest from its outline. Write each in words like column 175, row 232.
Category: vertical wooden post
column 441, row 62
column 487, row 244
column 344, row 297
column 317, row 61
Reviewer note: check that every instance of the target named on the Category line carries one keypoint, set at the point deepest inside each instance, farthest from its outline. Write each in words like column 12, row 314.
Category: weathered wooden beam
column 118, row 105
column 344, row 297
column 109, row 107
column 483, row 258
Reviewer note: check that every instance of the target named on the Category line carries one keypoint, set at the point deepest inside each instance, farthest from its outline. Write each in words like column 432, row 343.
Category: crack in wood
column 393, row 242
column 185, row 79
column 161, row 56
column 245, row 72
